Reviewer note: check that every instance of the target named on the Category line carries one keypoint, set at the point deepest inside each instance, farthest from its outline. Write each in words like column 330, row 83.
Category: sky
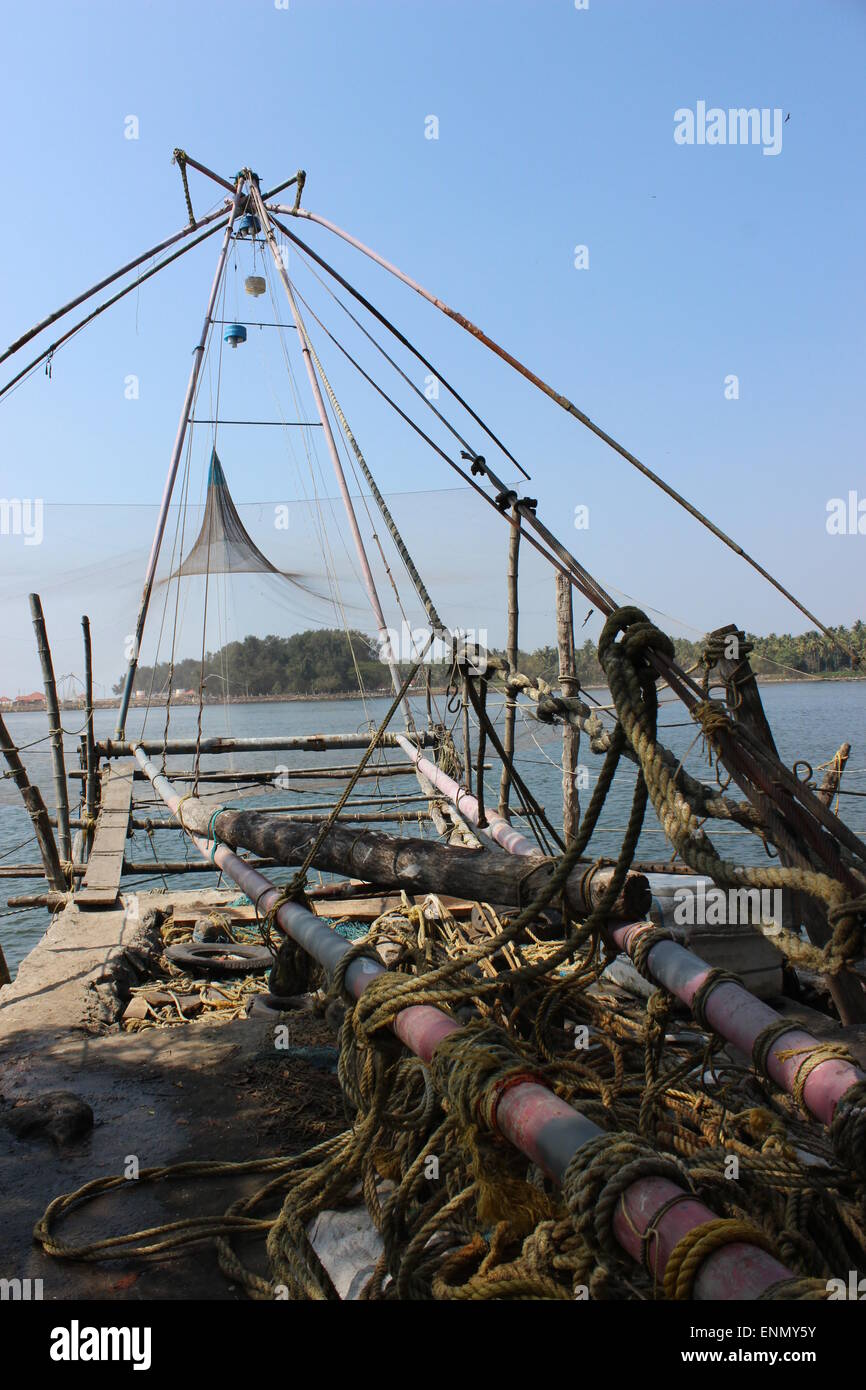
column 713, row 322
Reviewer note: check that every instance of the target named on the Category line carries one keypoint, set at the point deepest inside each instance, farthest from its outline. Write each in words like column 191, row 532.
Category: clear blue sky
column 555, row 129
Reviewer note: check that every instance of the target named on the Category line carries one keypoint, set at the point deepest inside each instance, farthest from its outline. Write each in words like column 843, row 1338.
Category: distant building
column 36, row 700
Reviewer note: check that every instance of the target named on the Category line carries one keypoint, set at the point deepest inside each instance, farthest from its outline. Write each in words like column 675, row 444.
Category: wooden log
column 55, row 727
column 570, row 686
column 32, row 798
column 833, row 775
column 418, row 865
column 51, row 900
column 513, row 615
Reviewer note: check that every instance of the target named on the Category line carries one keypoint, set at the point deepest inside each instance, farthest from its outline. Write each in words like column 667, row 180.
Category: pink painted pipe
column 735, row 1271
column 739, row 1017
column 543, row 1127
column 500, row 829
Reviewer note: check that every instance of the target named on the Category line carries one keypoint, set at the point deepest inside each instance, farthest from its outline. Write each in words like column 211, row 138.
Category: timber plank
column 105, row 865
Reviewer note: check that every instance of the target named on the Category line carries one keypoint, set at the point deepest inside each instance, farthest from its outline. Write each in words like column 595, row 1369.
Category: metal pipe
column 543, row 1127
column 739, row 1017
column 150, row 574
column 497, row 826
column 109, row 279
column 55, row 728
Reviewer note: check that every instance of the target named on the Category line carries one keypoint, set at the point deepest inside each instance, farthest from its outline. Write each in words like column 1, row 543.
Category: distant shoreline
column 15, row 708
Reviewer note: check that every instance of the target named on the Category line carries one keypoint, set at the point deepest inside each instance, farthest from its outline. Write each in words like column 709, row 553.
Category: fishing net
column 223, row 545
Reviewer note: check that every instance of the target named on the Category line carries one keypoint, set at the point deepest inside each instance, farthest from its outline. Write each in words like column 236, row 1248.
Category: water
column 809, row 720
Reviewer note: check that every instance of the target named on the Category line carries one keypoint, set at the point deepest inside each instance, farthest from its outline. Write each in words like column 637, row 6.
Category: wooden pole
column 419, row 865
column 569, row 685
column 32, row 798
column 55, row 728
column 174, row 463
column 109, row 279
column 306, row 346
column 136, row 284
column 511, row 653
column 298, row 743
column 833, row 775
column 89, row 745
column 735, row 672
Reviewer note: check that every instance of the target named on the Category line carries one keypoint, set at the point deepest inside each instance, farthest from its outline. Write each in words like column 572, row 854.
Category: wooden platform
column 105, row 865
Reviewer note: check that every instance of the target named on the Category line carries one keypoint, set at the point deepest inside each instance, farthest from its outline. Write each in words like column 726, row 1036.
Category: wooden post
column 89, row 745
column 833, row 775
column 467, row 742
column 569, row 685
column 511, row 653
column 744, row 697
column 32, row 798
column 55, row 728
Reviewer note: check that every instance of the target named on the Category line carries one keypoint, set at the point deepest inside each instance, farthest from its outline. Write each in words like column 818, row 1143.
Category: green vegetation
column 321, row 663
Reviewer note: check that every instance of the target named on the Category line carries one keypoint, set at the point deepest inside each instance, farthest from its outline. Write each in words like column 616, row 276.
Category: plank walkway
column 105, row 865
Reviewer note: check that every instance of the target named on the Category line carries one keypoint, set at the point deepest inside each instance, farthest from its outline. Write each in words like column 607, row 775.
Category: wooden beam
column 105, row 865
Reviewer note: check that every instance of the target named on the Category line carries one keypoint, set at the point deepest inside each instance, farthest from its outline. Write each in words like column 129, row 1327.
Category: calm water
column 809, row 720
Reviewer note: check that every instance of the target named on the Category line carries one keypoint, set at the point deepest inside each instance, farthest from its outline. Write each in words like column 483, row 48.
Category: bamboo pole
column 89, row 745
column 572, row 409
column 301, row 743
column 569, row 685
column 32, row 798
column 109, row 279
column 306, row 350
column 174, row 463
column 511, row 652
column 101, row 308
column 55, row 728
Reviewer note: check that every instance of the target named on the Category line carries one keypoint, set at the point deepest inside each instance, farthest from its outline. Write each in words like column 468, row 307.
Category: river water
column 810, row 719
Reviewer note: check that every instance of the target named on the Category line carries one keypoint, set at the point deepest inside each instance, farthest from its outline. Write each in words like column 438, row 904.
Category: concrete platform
column 207, row 1090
